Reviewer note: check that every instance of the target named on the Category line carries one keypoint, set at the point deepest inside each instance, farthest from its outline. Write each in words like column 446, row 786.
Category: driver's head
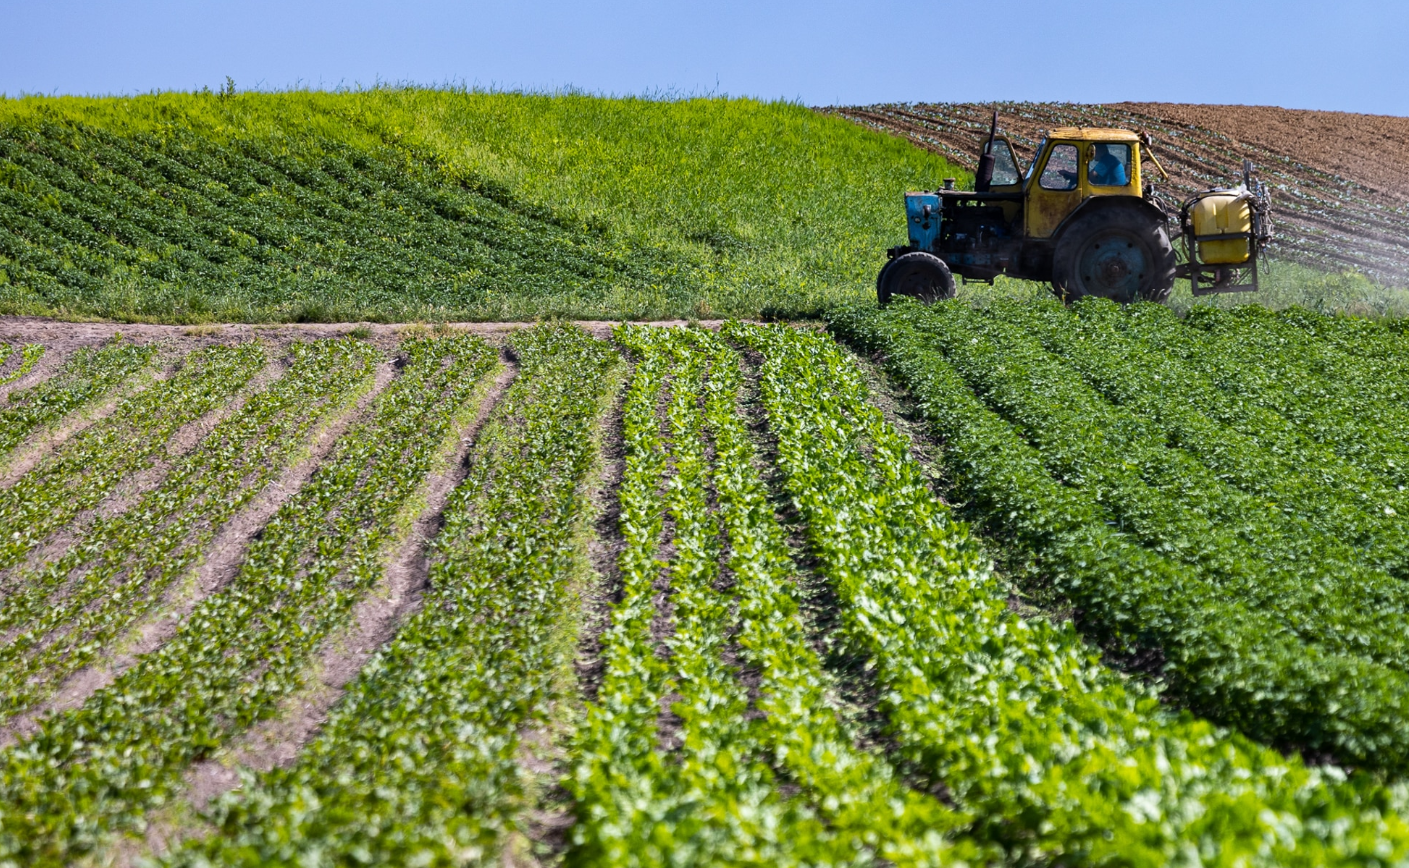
column 1102, row 151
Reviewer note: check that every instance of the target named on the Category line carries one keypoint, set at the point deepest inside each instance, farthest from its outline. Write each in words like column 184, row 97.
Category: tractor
column 1082, row 218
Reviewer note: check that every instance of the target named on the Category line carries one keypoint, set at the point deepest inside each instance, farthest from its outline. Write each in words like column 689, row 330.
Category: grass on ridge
column 343, row 206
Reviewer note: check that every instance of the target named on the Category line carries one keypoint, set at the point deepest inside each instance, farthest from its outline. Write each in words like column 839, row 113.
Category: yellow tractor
column 1082, row 218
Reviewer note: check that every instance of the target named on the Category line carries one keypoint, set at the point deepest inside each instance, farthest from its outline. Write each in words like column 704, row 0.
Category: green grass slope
column 399, row 204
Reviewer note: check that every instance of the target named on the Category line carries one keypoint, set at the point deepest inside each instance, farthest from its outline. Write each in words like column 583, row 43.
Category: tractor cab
column 1079, row 217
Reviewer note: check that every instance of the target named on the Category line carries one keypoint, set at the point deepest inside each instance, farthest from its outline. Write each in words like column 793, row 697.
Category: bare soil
column 61, row 338
column 1370, row 149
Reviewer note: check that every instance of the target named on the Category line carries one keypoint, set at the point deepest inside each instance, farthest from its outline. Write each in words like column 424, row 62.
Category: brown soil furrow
column 126, row 493
column 604, row 552
column 663, row 622
column 222, row 562
column 375, row 620
column 193, row 432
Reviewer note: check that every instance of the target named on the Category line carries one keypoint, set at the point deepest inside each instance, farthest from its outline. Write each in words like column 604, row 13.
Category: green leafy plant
column 1058, row 758
column 419, row 762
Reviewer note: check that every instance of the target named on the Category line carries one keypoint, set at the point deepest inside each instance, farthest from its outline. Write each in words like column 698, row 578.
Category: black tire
column 882, row 291
column 1116, row 253
column 922, row 276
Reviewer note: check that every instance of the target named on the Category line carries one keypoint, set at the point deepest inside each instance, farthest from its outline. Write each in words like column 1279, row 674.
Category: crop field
column 1334, row 210
column 401, row 205
column 946, row 585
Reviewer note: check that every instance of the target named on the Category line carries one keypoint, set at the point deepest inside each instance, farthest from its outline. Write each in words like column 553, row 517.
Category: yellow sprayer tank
column 1223, row 213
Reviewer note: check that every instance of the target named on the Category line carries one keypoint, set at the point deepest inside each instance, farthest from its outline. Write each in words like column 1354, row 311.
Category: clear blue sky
column 1350, row 55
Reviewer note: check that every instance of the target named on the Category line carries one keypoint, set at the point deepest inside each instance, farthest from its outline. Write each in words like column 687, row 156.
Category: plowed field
column 1340, row 180
column 644, row 596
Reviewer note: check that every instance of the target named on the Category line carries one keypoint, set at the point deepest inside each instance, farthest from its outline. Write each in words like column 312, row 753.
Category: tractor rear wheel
column 1115, row 253
column 920, row 275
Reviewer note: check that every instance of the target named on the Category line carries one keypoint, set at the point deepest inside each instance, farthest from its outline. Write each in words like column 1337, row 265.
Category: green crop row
column 29, row 355
column 1235, row 663
column 856, row 793
column 1250, row 550
column 1059, row 759
column 133, row 437
column 94, row 771
column 1248, row 446
column 255, row 226
column 1353, row 405
column 616, row 746
column 706, row 795
column 419, row 763
column 67, row 612
column 90, row 373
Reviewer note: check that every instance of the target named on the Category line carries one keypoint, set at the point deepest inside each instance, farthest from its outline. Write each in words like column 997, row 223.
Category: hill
column 411, row 204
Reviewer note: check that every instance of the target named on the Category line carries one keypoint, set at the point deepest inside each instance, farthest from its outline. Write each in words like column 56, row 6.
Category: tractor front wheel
column 1115, row 253
column 919, row 275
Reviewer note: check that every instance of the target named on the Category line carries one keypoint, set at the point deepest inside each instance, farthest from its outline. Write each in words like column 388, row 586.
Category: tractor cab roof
column 1090, row 134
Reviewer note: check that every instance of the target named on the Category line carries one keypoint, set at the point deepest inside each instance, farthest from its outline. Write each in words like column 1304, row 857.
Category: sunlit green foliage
column 89, row 773
column 419, row 763
column 134, row 436
column 19, row 361
column 706, row 794
column 88, row 375
column 406, row 203
column 1060, row 759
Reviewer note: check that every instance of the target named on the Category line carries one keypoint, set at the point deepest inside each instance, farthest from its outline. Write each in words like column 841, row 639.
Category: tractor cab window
column 1005, row 167
column 1036, row 157
column 1061, row 170
column 1110, row 165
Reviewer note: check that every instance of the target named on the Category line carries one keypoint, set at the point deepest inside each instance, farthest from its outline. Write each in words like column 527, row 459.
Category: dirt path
column 61, row 338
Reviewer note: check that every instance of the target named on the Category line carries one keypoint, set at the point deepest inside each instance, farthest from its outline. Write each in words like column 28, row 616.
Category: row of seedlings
column 1351, row 404
column 1249, row 446
column 1265, row 558
column 92, row 773
column 1058, row 758
column 64, row 614
column 709, row 792
column 85, row 469
column 87, row 375
column 420, row 761
column 1235, row 662
column 23, row 357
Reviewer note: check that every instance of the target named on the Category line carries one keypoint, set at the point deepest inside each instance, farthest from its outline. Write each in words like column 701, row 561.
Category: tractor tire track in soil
column 220, row 565
column 1331, row 211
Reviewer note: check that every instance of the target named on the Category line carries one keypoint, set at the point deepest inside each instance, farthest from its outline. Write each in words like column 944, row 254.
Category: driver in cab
column 1106, row 169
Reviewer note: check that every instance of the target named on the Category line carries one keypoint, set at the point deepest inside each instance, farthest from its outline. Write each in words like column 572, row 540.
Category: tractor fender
column 1103, row 203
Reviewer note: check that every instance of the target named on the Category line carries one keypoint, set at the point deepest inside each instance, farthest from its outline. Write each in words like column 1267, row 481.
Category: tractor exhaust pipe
column 983, row 178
